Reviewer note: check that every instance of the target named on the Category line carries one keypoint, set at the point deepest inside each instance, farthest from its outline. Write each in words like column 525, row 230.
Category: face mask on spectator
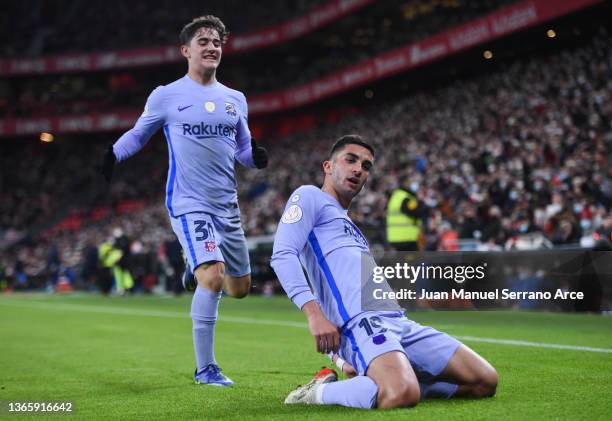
column 585, row 224
column 537, row 186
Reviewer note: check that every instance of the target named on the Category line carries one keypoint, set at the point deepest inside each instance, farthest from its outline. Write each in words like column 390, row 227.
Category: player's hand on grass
column 326, row 336
column 108, row 164
column 260, row 155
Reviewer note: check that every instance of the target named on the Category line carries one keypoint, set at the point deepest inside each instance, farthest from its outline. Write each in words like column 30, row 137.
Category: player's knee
column 399, row 396
column 238, row 292
column 210, row 276
column 238, row 287
column 485, row 385
column 488, row 382
column 214, row 283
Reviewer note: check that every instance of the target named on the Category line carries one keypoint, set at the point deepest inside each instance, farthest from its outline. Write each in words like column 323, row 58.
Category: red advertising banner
column 69, row 124
column 277, row 34
column 506, row 20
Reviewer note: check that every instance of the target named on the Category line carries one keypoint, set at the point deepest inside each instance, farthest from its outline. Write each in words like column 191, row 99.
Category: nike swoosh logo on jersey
column 183, row 108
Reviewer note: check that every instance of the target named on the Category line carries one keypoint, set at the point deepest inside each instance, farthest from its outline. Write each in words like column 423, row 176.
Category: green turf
column 132, row 358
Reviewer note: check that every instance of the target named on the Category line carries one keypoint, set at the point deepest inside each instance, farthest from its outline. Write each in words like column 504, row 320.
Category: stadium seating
column 348, row 41
column 493, row 159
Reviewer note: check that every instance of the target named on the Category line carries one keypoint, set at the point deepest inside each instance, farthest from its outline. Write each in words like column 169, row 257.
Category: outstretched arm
column 150, row 121
column 134, row 139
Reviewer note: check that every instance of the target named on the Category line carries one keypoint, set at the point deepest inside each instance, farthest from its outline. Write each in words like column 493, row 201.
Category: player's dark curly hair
column 350, row 139
column 206, row 21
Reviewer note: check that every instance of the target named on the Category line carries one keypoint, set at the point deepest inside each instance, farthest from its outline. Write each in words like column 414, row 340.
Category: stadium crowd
column 56, row 26
column 358, row 37
column 525, row 149
column 349, row 40
column 522, row 150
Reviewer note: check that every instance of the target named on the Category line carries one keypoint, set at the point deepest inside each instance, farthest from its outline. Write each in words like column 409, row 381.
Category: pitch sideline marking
column 533, row 344
column 283, row 323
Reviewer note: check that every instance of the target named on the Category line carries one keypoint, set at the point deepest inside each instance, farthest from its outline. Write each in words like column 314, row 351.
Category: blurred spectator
column 122, row 271
column 53, row 265
column 109, row 256
column 173, row 256
column 89, row 266
column 405, row 214
column 567, row 231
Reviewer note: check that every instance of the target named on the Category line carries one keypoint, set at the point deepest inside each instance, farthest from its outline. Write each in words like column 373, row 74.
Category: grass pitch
column 132, row 358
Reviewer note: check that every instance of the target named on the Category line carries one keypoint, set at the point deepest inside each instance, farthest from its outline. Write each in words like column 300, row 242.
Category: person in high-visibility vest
column 404, row 219
column 110, row 257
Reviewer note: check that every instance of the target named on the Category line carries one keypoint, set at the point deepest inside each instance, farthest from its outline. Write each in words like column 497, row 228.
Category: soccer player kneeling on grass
column 397, row 361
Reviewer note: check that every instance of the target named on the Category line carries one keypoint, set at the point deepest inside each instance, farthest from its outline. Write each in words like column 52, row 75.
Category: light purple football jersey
column 207, row 131
column 315, row 232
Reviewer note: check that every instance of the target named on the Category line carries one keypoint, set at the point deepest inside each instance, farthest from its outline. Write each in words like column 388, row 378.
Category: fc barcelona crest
column 230, row 109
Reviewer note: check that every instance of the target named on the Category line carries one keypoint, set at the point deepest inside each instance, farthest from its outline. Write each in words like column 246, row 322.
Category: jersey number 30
column 201, row 229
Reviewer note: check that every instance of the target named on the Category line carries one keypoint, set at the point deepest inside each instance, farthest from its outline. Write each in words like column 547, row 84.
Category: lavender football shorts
column 372, row 334
column 206, row 238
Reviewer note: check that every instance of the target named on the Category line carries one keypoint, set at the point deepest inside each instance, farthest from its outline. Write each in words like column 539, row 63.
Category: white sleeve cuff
column 302, row 298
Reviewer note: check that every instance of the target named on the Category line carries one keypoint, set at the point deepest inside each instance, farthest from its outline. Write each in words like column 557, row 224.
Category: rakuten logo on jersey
column 203, row 131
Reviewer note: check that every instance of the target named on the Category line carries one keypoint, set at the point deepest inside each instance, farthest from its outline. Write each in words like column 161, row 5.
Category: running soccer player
column 206, row 128
column 398, row 361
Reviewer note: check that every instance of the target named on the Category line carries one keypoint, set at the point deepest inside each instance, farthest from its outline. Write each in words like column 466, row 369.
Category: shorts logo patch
column 379, row 339
column 292, row 215
column 210, row 246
